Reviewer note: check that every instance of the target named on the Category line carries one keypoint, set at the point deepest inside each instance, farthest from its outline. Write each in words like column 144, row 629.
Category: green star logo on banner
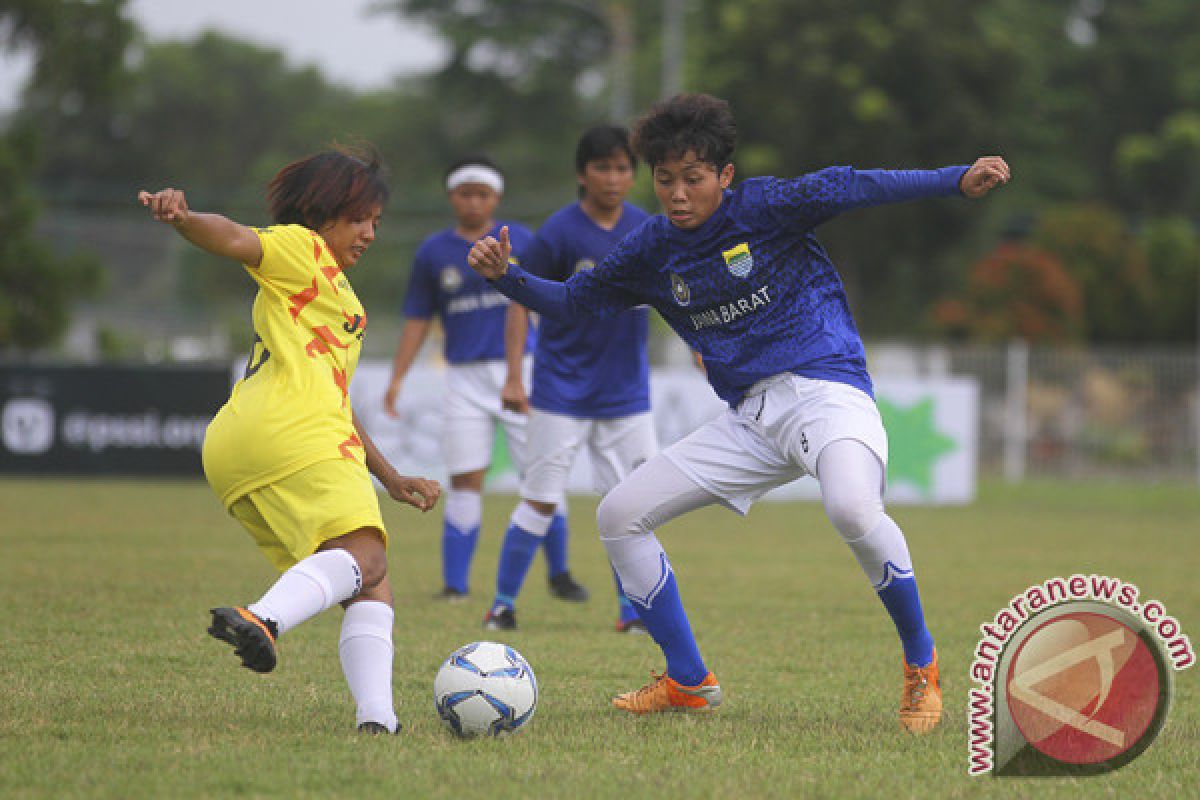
column 501, row 459
column 915, row 444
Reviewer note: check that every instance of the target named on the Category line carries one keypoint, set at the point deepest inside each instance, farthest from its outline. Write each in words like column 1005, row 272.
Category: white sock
column 366, row 651
column 463, row 509
column 530, row 520
column 310, row 587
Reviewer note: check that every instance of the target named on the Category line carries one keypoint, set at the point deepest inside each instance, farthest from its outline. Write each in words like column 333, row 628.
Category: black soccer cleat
column 500, row 618
column 451, row 595
column 370, row 728
column 564, row 587
column 252, row 637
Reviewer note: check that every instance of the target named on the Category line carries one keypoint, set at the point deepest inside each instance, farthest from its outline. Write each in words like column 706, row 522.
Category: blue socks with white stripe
column 556, row 545
column 883, row 555
column 460, row 534
column 648, row 581
column 525, row 535
column 668, row 625
column 903, row 602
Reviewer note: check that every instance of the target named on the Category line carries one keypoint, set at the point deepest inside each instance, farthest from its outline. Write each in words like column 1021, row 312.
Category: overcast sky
column 350, row 44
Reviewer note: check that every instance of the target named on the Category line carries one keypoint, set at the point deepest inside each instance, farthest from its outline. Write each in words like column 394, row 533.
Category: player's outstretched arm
column 985, row 174
column 490, row 258
column 420, row 493
column 212, row 232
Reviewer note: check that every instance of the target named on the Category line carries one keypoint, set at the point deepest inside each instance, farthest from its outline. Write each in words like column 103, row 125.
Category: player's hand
column 984, row 175
column 513, row 397
column 420, row 493
column 167, row 205
column 389, row 399
column 489, row 256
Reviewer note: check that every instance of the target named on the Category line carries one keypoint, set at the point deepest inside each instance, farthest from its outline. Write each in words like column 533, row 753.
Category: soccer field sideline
column 112, row 688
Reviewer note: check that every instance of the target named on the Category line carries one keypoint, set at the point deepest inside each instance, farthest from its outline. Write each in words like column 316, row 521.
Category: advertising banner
column 106, row 420
column 932, row 430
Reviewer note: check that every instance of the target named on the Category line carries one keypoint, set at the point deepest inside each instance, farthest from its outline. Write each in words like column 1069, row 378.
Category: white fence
column 1072, row 412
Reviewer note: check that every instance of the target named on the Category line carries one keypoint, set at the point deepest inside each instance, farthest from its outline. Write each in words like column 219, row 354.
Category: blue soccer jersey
column 587, row 367
column 471, row 310
column 751, row 289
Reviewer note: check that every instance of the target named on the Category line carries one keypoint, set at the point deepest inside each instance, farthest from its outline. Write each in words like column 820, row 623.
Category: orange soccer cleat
column 667, row 694
column 921, row 698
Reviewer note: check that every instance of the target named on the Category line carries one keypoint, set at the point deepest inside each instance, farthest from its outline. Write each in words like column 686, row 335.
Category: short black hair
column 601, row 142
column 473, row 160
column 700, row 123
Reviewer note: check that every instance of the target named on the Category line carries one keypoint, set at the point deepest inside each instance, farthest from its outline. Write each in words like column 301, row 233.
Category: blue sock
column 556, row 546
column 668, row 625
column 903, row 602
column 624, row 607
column 516, row 556
column 457, row 550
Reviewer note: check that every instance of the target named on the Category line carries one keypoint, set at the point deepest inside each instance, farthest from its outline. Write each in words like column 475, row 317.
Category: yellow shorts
column 290, row 518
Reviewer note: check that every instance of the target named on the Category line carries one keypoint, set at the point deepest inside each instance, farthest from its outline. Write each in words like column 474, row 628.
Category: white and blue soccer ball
column 485, row 689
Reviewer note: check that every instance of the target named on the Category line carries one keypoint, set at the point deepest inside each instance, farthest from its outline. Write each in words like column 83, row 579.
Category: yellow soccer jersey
column 291, row 409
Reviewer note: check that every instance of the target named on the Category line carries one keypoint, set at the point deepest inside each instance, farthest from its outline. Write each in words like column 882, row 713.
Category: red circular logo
column 1083, row 688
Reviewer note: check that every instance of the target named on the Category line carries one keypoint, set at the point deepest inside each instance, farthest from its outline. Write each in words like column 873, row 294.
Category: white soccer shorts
column 472, row 412
column 774, row 436
column 616, row 447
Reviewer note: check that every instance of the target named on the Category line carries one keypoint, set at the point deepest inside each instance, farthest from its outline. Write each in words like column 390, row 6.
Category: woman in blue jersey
column 740, row 276
column 590, row 376
column 472, row 314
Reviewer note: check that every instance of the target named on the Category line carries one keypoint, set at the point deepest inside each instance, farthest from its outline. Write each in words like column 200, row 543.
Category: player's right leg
column 615, row 448
column 653, row 494
column 467, row 437
column 293, row 520
column 552, row 441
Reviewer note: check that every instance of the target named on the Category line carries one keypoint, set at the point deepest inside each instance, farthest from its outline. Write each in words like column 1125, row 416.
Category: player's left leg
column 366, row 652
column 852, row 480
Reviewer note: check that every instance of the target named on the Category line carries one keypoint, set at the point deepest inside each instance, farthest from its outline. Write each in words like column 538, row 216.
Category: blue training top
column 472, row 311
column 751, row 289
column 587, row 367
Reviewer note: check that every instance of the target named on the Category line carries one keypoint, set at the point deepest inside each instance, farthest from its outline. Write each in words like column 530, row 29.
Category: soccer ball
column 485, row 689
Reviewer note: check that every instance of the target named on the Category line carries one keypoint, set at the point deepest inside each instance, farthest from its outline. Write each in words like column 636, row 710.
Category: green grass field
column 111, row 688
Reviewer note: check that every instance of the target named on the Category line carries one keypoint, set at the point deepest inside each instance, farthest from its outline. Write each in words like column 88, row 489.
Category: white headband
column 475, row 173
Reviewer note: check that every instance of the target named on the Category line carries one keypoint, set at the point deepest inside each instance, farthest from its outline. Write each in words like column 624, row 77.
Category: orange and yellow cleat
column 921, row 698
column 667, row 694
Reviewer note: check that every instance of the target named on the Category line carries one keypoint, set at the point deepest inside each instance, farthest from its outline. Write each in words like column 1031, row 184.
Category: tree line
column 1096, row 106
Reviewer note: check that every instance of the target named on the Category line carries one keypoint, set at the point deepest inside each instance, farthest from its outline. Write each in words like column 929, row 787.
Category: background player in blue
column 473, row 320
column 590, row 376
column 739, row 275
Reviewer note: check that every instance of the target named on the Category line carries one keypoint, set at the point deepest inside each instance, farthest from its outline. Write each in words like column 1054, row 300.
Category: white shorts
column 774, row 436
column 472, row 412
column 616, row 448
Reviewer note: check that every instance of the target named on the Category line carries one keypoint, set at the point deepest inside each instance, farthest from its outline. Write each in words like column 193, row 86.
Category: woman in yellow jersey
column 286, row 455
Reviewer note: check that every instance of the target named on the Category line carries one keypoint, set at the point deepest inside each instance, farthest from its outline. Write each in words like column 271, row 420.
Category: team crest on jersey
column 451, row 279
column 584, row 264
column 680, row 290
column 739, row 260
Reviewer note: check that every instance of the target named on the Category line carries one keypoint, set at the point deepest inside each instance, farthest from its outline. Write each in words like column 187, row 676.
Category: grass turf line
column 111, row 688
